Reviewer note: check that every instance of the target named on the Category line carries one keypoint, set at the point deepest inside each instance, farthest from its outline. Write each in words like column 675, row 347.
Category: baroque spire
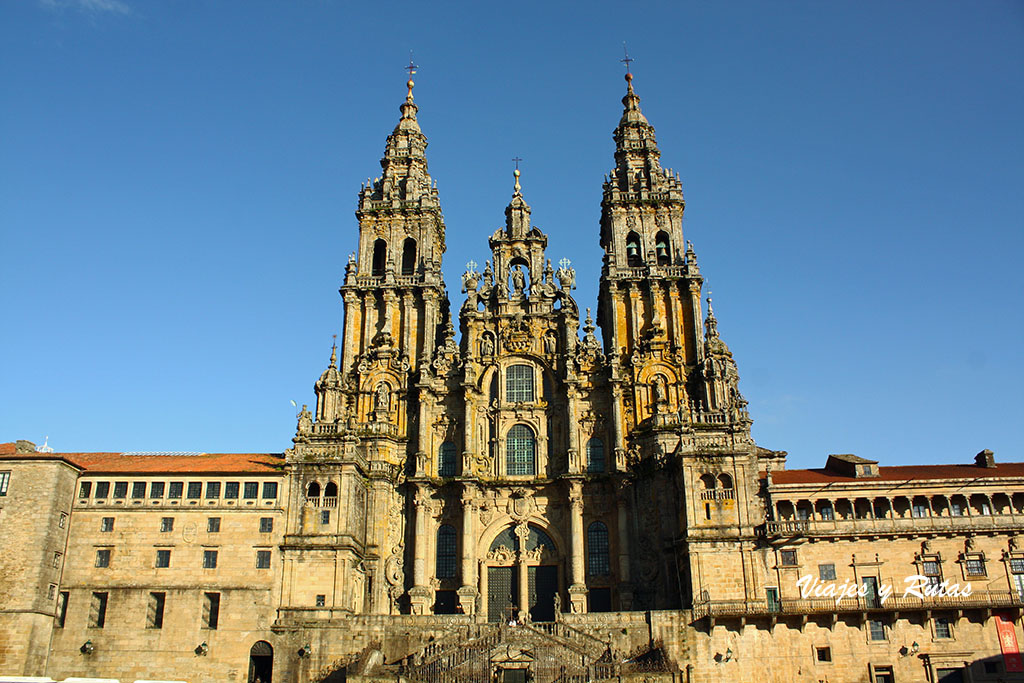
column 517, row 213
column 637, row 157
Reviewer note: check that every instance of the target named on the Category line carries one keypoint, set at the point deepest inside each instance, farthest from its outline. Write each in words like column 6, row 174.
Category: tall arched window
column 519, row 383
column 595, row 455
column 521, row 449
column 446, row 460
column 598, row 562
column 313, row 490
column 331, row 490
column 633, row 256
column 409, row 256
column 447, row 552
column 380, row 257
column 661, row 249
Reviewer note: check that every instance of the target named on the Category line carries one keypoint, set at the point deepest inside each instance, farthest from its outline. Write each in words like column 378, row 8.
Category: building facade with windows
column 525, row 502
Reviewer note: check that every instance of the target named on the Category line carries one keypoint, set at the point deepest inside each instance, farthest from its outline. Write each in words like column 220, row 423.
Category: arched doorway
column 261, row 662
column 531, row 571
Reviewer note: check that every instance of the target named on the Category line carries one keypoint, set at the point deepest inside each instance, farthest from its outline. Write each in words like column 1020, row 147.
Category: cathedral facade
column 522, row 501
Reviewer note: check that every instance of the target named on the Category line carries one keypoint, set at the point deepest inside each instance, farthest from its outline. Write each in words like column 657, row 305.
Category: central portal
column 543, row 588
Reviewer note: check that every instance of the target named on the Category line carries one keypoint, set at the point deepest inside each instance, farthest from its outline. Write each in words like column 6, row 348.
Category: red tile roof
column 205, row 463
column 8, row 448
column 901, row 473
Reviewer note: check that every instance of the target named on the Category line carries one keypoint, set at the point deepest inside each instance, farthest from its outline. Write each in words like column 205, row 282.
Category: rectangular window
column 103, row 557
column 5, row 479
column 211, row 610
column 166, row 524
column 975, row 565
column 823, row 654
column 155, row 611
column 803, row 513
column 85, row 490
column 175, row 489
column 213, row 489
column 98, row 610
column 120, row 489
column 828, row 513
column 213, row 525
column 787, row 558
column 163, row 558
column 930, row 568
column 883, row 674
column 325, row 516
column 138, row 489
column 1017, row 565
column 270, row 489
column 920, row 510
column 266, row 525
column 519, row 384
column 956, row 510
column 195, row 490
column 56, row 562
column 943, row 628
column 107, row 524
column 876, row 629
column 827, row 572
column 251, row 490
column 231, row 490
column 102, row 489
column 156, row 489
column 62, row 609
column 209, row 559
column 51, row 591
column 321, row 600
column 262, row 559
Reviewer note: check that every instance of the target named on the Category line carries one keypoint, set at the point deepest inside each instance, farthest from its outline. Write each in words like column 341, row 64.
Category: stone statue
column 488, row 275
column 549, row 343
column 518, row 281
column 305, row 420
column 487, row 345
column 383, row 399
column 558, row 603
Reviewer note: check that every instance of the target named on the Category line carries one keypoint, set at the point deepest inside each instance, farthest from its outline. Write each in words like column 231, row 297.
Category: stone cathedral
column 518, row 502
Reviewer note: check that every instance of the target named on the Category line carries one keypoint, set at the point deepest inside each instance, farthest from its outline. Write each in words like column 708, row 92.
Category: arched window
column 447, row 552
column 313, row 490
column 380, row 257
column 446, row 460
column 595, row 455
column 520, row 451
column 661, row 249
column 519, row 383
column 331, row 490
column 409, row 256
column 633, row 256
column 598, row 563
column 725, row 481
column 506, row 538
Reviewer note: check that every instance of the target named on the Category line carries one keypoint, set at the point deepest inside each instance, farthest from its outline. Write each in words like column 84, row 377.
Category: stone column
column 523, row 532
column 618, row 448
column 574, row 454
column 419, row 594
column 468, row 591
column 578, row 588
column 622, row 491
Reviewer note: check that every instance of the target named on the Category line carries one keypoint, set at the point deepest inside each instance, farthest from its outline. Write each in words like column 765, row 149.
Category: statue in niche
column 487, row 345
column 660, row 393
column 382, row 401
column 488, row 275
column 550, row 344
column 518, row 280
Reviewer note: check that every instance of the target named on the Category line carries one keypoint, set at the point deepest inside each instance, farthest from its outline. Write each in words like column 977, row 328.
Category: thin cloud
column 91, row 6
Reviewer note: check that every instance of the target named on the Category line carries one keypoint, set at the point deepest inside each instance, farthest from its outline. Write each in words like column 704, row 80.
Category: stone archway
column 523, row 577
column 261, row 662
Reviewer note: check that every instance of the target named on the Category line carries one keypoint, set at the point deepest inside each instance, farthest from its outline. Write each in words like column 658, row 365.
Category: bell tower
column 351, row 453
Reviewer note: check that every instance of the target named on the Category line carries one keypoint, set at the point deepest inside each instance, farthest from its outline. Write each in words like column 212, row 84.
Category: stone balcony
column 804, row 608
column 890, row 526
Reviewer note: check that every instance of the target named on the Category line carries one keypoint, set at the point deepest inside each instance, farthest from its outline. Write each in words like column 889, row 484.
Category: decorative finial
column 412, row 70
column 334, row 350
column 516, row 174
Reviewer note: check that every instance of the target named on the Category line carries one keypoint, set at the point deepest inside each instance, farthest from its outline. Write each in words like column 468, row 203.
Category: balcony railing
column 811, row 606
column 324, row 502
column 891, row 525
column 717, row 494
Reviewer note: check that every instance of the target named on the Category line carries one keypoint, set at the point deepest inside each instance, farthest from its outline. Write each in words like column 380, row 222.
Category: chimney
column 985, row 459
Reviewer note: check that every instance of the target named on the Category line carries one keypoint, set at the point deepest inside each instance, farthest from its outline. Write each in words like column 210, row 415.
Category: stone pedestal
column 420, row 599
column 577, row 599
column 467, row 598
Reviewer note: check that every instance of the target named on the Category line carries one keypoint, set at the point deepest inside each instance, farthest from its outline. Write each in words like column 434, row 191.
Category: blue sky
column 178, row 181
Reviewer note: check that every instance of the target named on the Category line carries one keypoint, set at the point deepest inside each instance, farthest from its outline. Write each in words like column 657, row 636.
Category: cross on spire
column 517, row 160
column 627, row 60
column 412, row 67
